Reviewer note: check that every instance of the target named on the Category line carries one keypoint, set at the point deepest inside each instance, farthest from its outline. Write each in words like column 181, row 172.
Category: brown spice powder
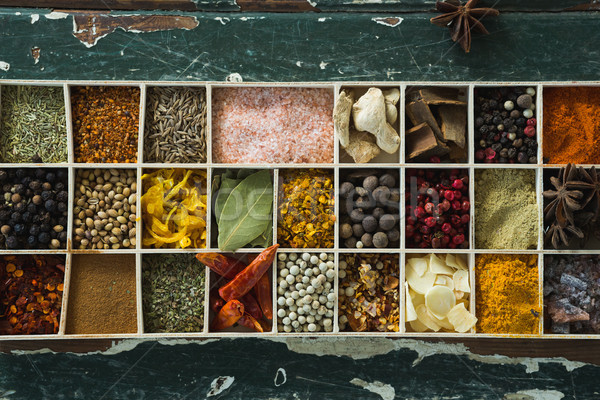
column 102, row 297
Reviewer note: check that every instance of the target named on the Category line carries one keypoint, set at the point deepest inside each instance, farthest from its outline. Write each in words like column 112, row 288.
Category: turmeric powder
column 508, row 298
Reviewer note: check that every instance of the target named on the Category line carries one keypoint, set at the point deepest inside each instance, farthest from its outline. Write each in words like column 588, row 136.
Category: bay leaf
column 265, row 239
column 243, row 173
column 246, row 212
column 225, row 189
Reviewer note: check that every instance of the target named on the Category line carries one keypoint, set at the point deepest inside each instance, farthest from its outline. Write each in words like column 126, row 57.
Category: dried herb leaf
column 225, row 188
column 247, row 211
column 265, row 239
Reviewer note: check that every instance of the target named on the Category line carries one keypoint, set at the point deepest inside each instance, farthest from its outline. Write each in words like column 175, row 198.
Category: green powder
column 506, row 210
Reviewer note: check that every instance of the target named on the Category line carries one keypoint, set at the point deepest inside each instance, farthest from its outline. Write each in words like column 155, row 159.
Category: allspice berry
column 380, row 240
column 346, row 189
column 367, row 239
column 387, row 222
column 345, row 231
column 370, row 183
column 369, row 223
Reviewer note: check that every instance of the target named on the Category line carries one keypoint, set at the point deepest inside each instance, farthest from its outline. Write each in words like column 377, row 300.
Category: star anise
column 461, row 19
column 591, row 184
column 557, row 234
column 565, row 199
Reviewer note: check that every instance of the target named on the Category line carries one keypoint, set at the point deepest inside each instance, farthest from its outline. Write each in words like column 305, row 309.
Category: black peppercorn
column 12, row 242
column 35, row 185
column 50, row 205
column 44, row 238
column 50, row 177
column 32, row 241
column 61, row 207
column 15, row 217
column 19, row 229
column 522, row 158
column 34, row 230
column 46, row 186
column 27, row 217
column 62, row 236
column 44, row 227
column 20, row 207
column 20, row 173
column 478, row 122
column 512, row 153
column 59, row 186
column 20, row 188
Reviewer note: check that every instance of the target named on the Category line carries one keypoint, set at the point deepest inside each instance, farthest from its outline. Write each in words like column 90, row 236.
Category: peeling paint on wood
column 89, row 29
column 297, row 47
column 243, row 368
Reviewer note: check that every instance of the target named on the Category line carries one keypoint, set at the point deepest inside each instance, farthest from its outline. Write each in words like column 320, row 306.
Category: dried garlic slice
column 444, row 323
column 438, row 266
column 451, row 261
column 420, row 284
column 411, row 313
column 418, row 326
column 461, row 319
column 461, row 280
column 444, row 280
column 439, row 300
column 461, row 261
column 417, row 298
column 419, row 265
column 426, row 319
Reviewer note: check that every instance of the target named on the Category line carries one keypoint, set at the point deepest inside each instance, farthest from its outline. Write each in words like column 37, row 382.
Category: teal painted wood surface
column 263, row 369
column 305, row 47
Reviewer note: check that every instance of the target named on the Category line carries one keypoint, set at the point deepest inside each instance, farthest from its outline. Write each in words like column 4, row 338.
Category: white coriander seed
column 342, row 274
column 349, row 291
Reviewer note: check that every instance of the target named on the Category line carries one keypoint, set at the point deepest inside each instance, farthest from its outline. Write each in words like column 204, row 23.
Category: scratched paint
column 269, row 49
column 137, row 369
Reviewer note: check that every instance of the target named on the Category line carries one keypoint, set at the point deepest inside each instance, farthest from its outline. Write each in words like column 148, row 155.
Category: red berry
column 479, row 155
column 455, row 220
column 490, row 154
column 424, row 229
column 436, row 243
column 430, row 222
column 410, row 230
column 446, row 227
column 451, row 245
column 429, row 207
column 456, row 205
column 457, row 195
column 458, row 239
column 465, row 205
column 435, row 159
column 531, row 122
column 445, row 240
column 411, row 220
column 423, row 245
column 430, row 174
column 419, row 212
column 465, row 218
column 449, row 195
column 457, row 184
column 529, row 131
column 446, row 205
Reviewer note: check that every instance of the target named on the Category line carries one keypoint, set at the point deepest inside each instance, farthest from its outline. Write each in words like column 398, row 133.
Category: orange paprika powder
column 571, row 125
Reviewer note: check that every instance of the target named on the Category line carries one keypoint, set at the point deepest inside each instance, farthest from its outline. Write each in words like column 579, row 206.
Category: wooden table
column 338, row 40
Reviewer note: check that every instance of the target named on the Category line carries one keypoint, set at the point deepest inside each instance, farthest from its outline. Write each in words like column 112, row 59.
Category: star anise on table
column 461, row 19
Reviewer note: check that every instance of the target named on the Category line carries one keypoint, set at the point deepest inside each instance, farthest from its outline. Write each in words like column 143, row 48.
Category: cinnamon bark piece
column 437, row 95
column 421, row 142
column 419, row 112
column 454, row 123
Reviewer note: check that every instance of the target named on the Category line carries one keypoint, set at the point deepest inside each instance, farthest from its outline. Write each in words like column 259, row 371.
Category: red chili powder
column 571, row 125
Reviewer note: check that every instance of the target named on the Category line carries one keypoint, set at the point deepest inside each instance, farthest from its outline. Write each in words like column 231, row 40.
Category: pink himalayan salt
column 272, row 125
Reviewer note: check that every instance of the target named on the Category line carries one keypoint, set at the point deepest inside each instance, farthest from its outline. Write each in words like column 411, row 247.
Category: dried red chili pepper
column 249, row 321
column 215, row 301
column 245, row 280
column 227, row 267
column 251, row 305
column 263, row 295
column 229, row 314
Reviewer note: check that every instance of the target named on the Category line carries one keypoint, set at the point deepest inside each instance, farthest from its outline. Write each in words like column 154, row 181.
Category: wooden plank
column 296, row 47
column 294, row 5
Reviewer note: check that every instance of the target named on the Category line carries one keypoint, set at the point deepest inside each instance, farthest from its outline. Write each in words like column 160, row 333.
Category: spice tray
column 133, row 244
